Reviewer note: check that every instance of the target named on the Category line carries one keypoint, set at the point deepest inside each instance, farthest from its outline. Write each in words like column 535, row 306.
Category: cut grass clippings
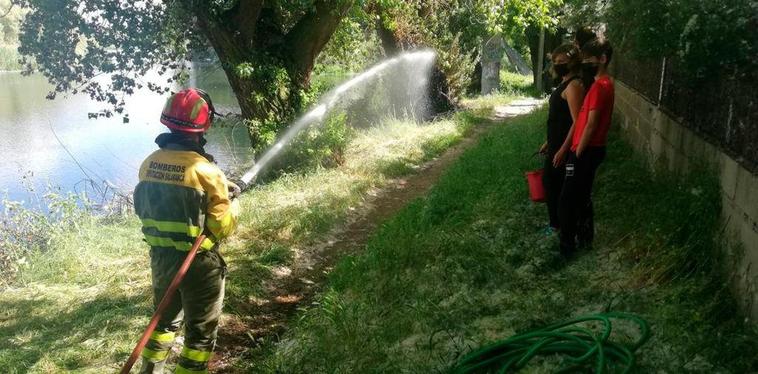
column 81, row 305
column 471, row 264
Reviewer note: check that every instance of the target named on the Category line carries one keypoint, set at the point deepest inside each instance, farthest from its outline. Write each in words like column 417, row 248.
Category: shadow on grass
column 67, row 337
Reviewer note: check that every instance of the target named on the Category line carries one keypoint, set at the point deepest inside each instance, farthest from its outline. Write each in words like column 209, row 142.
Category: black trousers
column 575, row 206
column 552, row 179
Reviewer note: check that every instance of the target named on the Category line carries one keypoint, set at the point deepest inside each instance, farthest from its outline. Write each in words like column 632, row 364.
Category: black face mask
column 561, row 70
column 589, row 69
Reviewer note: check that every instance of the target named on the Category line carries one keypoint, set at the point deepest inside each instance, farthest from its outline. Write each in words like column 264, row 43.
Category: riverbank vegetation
column 471, row 264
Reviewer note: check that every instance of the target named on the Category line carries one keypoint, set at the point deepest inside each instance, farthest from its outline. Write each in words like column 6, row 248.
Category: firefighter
column 182, row 194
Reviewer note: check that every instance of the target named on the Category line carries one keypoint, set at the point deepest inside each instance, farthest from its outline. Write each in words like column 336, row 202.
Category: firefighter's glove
column 234, row 190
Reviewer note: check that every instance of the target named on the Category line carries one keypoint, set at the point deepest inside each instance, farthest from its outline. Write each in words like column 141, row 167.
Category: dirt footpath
column 294, row 287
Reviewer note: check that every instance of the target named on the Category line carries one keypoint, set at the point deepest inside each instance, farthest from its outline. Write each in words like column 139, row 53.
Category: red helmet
column 189, row 110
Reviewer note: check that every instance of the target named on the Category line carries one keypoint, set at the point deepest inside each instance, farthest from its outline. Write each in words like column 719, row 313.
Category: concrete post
column 492, row 54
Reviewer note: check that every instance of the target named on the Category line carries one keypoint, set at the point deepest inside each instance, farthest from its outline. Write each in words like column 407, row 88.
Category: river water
column 53, row 143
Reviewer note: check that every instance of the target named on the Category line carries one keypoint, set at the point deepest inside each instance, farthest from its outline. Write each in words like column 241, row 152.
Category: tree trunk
column 475, row 86
column 266, row 68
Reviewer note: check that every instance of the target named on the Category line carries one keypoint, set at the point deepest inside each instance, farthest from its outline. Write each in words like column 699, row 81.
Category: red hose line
column 162, row 306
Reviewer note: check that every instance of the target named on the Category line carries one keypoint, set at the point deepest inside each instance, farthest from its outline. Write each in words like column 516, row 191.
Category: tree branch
column 9, row 10
column 308, row 37
column 245, row 16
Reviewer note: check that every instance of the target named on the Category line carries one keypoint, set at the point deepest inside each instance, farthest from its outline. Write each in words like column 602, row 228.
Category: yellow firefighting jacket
column 180, row 195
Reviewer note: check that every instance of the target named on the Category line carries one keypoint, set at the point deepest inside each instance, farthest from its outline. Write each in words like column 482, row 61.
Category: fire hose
column 165, row 301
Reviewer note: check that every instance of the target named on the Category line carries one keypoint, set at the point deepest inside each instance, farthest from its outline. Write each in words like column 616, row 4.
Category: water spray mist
column 420, row 63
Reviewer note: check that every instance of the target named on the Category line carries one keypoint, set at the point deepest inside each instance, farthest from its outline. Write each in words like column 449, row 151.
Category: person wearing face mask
column 586, row 142
column 564, row 105
column 582, row 36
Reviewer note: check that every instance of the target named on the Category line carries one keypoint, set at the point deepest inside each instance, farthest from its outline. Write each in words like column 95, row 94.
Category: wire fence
column 721, row 108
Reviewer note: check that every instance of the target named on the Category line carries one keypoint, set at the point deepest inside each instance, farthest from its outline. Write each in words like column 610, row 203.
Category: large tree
column 105, row 48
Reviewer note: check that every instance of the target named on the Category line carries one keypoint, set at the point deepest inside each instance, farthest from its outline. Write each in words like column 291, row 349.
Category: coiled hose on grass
column 582, row 345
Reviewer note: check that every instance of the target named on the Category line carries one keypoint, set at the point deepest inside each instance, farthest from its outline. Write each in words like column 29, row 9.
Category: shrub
column 709, row 36
column 29, row 229
column 318, row 146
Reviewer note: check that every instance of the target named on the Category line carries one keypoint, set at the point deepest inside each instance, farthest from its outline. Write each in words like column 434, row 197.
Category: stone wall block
column 665, row 142
column 746, row 193
column 728, row 176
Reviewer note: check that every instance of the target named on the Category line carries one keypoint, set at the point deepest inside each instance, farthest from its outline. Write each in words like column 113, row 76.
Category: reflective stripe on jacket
column 180, row 195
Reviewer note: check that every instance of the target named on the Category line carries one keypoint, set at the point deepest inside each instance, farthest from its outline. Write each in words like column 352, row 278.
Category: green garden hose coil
column 582, row 345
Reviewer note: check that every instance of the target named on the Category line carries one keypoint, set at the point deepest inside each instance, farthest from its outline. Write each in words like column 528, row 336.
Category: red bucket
column 536, row 189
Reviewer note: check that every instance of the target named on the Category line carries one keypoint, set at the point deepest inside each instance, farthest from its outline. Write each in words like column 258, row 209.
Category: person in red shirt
column 585, row 145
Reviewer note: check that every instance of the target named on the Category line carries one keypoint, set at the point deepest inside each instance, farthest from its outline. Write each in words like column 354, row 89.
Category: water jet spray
column 422, row 61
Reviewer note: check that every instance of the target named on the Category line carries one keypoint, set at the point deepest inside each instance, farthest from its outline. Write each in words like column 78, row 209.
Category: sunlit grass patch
column 517, row 84
column 483, row 105
column 55, row 328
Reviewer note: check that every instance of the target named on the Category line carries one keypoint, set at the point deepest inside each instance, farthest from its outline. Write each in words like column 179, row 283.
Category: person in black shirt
column 564, row 105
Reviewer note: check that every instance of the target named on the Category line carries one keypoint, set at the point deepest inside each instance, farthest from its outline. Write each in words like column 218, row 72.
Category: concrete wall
column 667, row 143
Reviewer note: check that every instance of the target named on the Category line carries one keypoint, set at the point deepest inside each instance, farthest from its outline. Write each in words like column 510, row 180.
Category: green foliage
column 513, row 17
column 517, row 84
column 324, row 79
column 27, row 230
column 708, row 36
column 470, row 264
column 277, row 96
column 444, row 26
column 9, row 58
column 353, row 46
column 10, row 19
column 245, row 70
column 319, row 146
column 72, row 43
column 105, row 49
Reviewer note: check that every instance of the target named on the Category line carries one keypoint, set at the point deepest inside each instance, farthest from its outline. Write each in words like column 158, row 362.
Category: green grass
column 469, row 264
column 512, row 85
column 81, row 304
column 518, row 84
